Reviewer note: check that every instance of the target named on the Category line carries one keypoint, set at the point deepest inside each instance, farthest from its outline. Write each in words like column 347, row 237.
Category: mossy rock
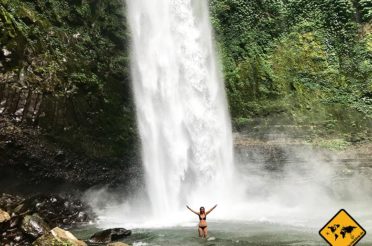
column 58, row 237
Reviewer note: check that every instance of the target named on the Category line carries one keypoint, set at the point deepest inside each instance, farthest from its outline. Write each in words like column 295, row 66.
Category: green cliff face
column 64, row 67
column 298, row 62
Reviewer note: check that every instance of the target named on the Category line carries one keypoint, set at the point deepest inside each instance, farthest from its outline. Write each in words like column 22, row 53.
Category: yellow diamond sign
column 342, row 230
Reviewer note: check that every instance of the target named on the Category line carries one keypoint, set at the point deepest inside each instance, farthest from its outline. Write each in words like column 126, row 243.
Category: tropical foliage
column 306, row 60
column 301, row 58
column 75, row 52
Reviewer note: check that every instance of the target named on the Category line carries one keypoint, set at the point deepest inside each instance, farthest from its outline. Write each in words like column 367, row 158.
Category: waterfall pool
column 230, row 233
column 299, row 191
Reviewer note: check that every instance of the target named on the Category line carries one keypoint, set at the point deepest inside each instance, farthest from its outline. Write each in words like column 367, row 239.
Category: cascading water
column 181, row 104
column 187, row 149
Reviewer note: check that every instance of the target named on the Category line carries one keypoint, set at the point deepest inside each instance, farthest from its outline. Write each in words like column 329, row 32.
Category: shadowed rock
column 34, row 225
column 110, row 235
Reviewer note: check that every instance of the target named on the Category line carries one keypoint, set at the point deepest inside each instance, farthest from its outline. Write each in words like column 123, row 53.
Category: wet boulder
column 58, row 236
column 110, row 235
column 34, row 226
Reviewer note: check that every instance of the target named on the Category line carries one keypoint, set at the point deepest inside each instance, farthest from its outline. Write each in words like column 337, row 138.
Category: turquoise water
column 253, row 234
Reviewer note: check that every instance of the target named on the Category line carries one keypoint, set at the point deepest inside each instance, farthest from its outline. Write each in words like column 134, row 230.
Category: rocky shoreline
column 44, row 220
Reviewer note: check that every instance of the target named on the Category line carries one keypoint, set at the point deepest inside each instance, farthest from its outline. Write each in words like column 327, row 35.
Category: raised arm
column 192, row 210
column 210, row 210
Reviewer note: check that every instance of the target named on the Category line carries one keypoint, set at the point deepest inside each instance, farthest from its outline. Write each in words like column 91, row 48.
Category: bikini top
column 205, row 218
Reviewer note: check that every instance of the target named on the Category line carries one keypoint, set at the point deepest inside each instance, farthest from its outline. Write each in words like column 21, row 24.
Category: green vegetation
column 307, row 61
column 75, row 53
column 332, row 144
column 304, row 62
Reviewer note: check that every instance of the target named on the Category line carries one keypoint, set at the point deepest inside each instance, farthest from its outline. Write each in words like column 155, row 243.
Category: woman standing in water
column 203, row 227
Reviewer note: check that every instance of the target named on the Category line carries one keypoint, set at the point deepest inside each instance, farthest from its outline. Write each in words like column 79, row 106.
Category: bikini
column 200, row 218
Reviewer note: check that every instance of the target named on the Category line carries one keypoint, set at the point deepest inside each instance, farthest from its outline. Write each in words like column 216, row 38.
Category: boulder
column 117, row 244
column 34, row 226
column 109, row 235
column 4, row 216
column 58, row 237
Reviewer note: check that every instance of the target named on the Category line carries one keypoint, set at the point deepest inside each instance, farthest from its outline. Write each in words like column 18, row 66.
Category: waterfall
column 187, row 149
column 181, row 106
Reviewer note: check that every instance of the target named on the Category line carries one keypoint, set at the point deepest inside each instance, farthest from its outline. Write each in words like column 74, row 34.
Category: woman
column 203, row 227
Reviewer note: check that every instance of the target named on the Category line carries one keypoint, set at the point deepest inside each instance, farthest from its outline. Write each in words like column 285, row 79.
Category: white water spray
column 187, row 144
column 181, row 107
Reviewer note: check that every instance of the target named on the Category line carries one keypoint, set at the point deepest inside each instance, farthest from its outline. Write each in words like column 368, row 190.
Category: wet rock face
column 31, row 161
column 109, row 235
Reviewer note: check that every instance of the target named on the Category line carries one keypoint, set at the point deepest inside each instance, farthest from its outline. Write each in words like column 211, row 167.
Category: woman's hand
column 210, row 210
column 187, row 206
